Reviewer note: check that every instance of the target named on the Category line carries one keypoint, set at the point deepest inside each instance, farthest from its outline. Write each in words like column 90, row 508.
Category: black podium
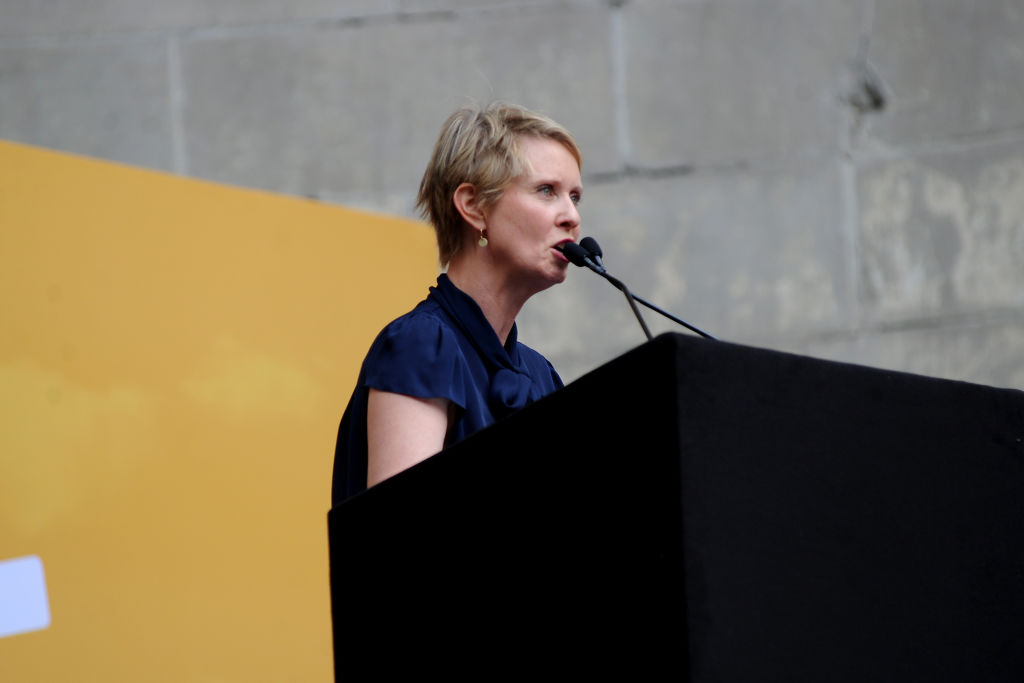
column 701, row 511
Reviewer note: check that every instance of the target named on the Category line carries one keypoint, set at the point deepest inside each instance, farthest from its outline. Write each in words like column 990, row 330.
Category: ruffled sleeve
column 417, row 355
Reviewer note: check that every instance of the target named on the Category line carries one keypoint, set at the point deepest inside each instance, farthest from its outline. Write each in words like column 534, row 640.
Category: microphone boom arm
column 674, row 319
column 588, row 253
column 625, row 290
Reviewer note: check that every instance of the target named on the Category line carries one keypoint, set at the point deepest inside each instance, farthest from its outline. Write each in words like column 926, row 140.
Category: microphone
column 593, row 251
column 576, row 254
column 579, row 256
column 591, row 245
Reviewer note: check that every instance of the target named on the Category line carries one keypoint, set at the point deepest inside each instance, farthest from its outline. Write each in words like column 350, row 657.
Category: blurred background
column 837, row 178
column 841, row 178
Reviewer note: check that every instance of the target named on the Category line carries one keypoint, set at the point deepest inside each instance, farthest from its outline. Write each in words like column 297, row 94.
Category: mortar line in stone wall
column 850, row 221
column 620, row 100
column 257, row 29
column 958, row 320
column 993, row 138
column 83, row 39
column 176, row 105
column 851, row 129
column 318, row 24
column 867, row 26
column 78, row 38
column 951, row 322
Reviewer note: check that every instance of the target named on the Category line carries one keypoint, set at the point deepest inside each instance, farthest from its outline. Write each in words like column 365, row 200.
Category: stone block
column 951, row 69
column 103, row 100
column 942, row 233
column 555, row 59
column 351, row 113
column 716, row 83
column 742, row 256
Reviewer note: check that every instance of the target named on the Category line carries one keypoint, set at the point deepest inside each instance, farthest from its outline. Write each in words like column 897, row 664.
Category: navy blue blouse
column 443, row 348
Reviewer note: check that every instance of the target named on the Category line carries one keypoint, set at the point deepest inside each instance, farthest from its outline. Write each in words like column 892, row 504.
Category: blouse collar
column 468, row 315
column 511, row 387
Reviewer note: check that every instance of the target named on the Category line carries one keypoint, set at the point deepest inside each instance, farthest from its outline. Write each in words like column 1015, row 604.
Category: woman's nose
column 571, row 218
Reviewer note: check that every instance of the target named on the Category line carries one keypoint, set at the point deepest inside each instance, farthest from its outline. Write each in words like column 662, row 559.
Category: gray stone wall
column 841, row 178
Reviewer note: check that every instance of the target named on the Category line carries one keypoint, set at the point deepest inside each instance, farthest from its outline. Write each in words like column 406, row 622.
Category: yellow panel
column 174, row 359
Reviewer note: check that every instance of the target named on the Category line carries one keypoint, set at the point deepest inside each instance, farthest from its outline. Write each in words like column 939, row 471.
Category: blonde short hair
column 479, row 146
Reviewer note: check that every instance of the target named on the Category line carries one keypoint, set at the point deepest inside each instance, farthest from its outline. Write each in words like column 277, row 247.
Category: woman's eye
column 547, row 190
column 576, row 197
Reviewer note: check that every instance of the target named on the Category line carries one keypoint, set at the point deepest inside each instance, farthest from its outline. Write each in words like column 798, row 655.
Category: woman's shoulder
column 423, row 330
column 418, row 354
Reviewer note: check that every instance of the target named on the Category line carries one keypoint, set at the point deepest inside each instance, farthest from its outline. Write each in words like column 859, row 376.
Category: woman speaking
column 501, row 191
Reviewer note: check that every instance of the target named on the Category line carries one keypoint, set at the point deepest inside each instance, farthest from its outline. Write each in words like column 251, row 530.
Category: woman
column 501, row 191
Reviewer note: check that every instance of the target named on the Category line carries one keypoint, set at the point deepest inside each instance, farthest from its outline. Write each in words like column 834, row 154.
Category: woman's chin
column 557, row 277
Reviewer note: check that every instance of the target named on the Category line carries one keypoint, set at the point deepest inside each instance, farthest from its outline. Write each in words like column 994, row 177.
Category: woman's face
column 536, row 213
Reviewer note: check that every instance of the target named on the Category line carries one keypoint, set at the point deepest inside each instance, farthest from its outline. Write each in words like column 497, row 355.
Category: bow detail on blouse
column 509, row 391
column 511, row 388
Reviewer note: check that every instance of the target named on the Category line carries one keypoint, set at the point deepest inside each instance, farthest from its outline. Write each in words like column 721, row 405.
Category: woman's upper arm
column 401, row 431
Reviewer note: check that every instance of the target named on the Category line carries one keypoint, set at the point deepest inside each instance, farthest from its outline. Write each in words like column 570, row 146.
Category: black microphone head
column 591, row 245
column 576, row 254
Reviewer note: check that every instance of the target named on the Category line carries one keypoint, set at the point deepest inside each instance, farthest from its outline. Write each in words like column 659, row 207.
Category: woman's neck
column 499, row 301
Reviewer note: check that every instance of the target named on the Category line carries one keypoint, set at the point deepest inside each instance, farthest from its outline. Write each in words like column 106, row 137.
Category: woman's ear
column 467, row 203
